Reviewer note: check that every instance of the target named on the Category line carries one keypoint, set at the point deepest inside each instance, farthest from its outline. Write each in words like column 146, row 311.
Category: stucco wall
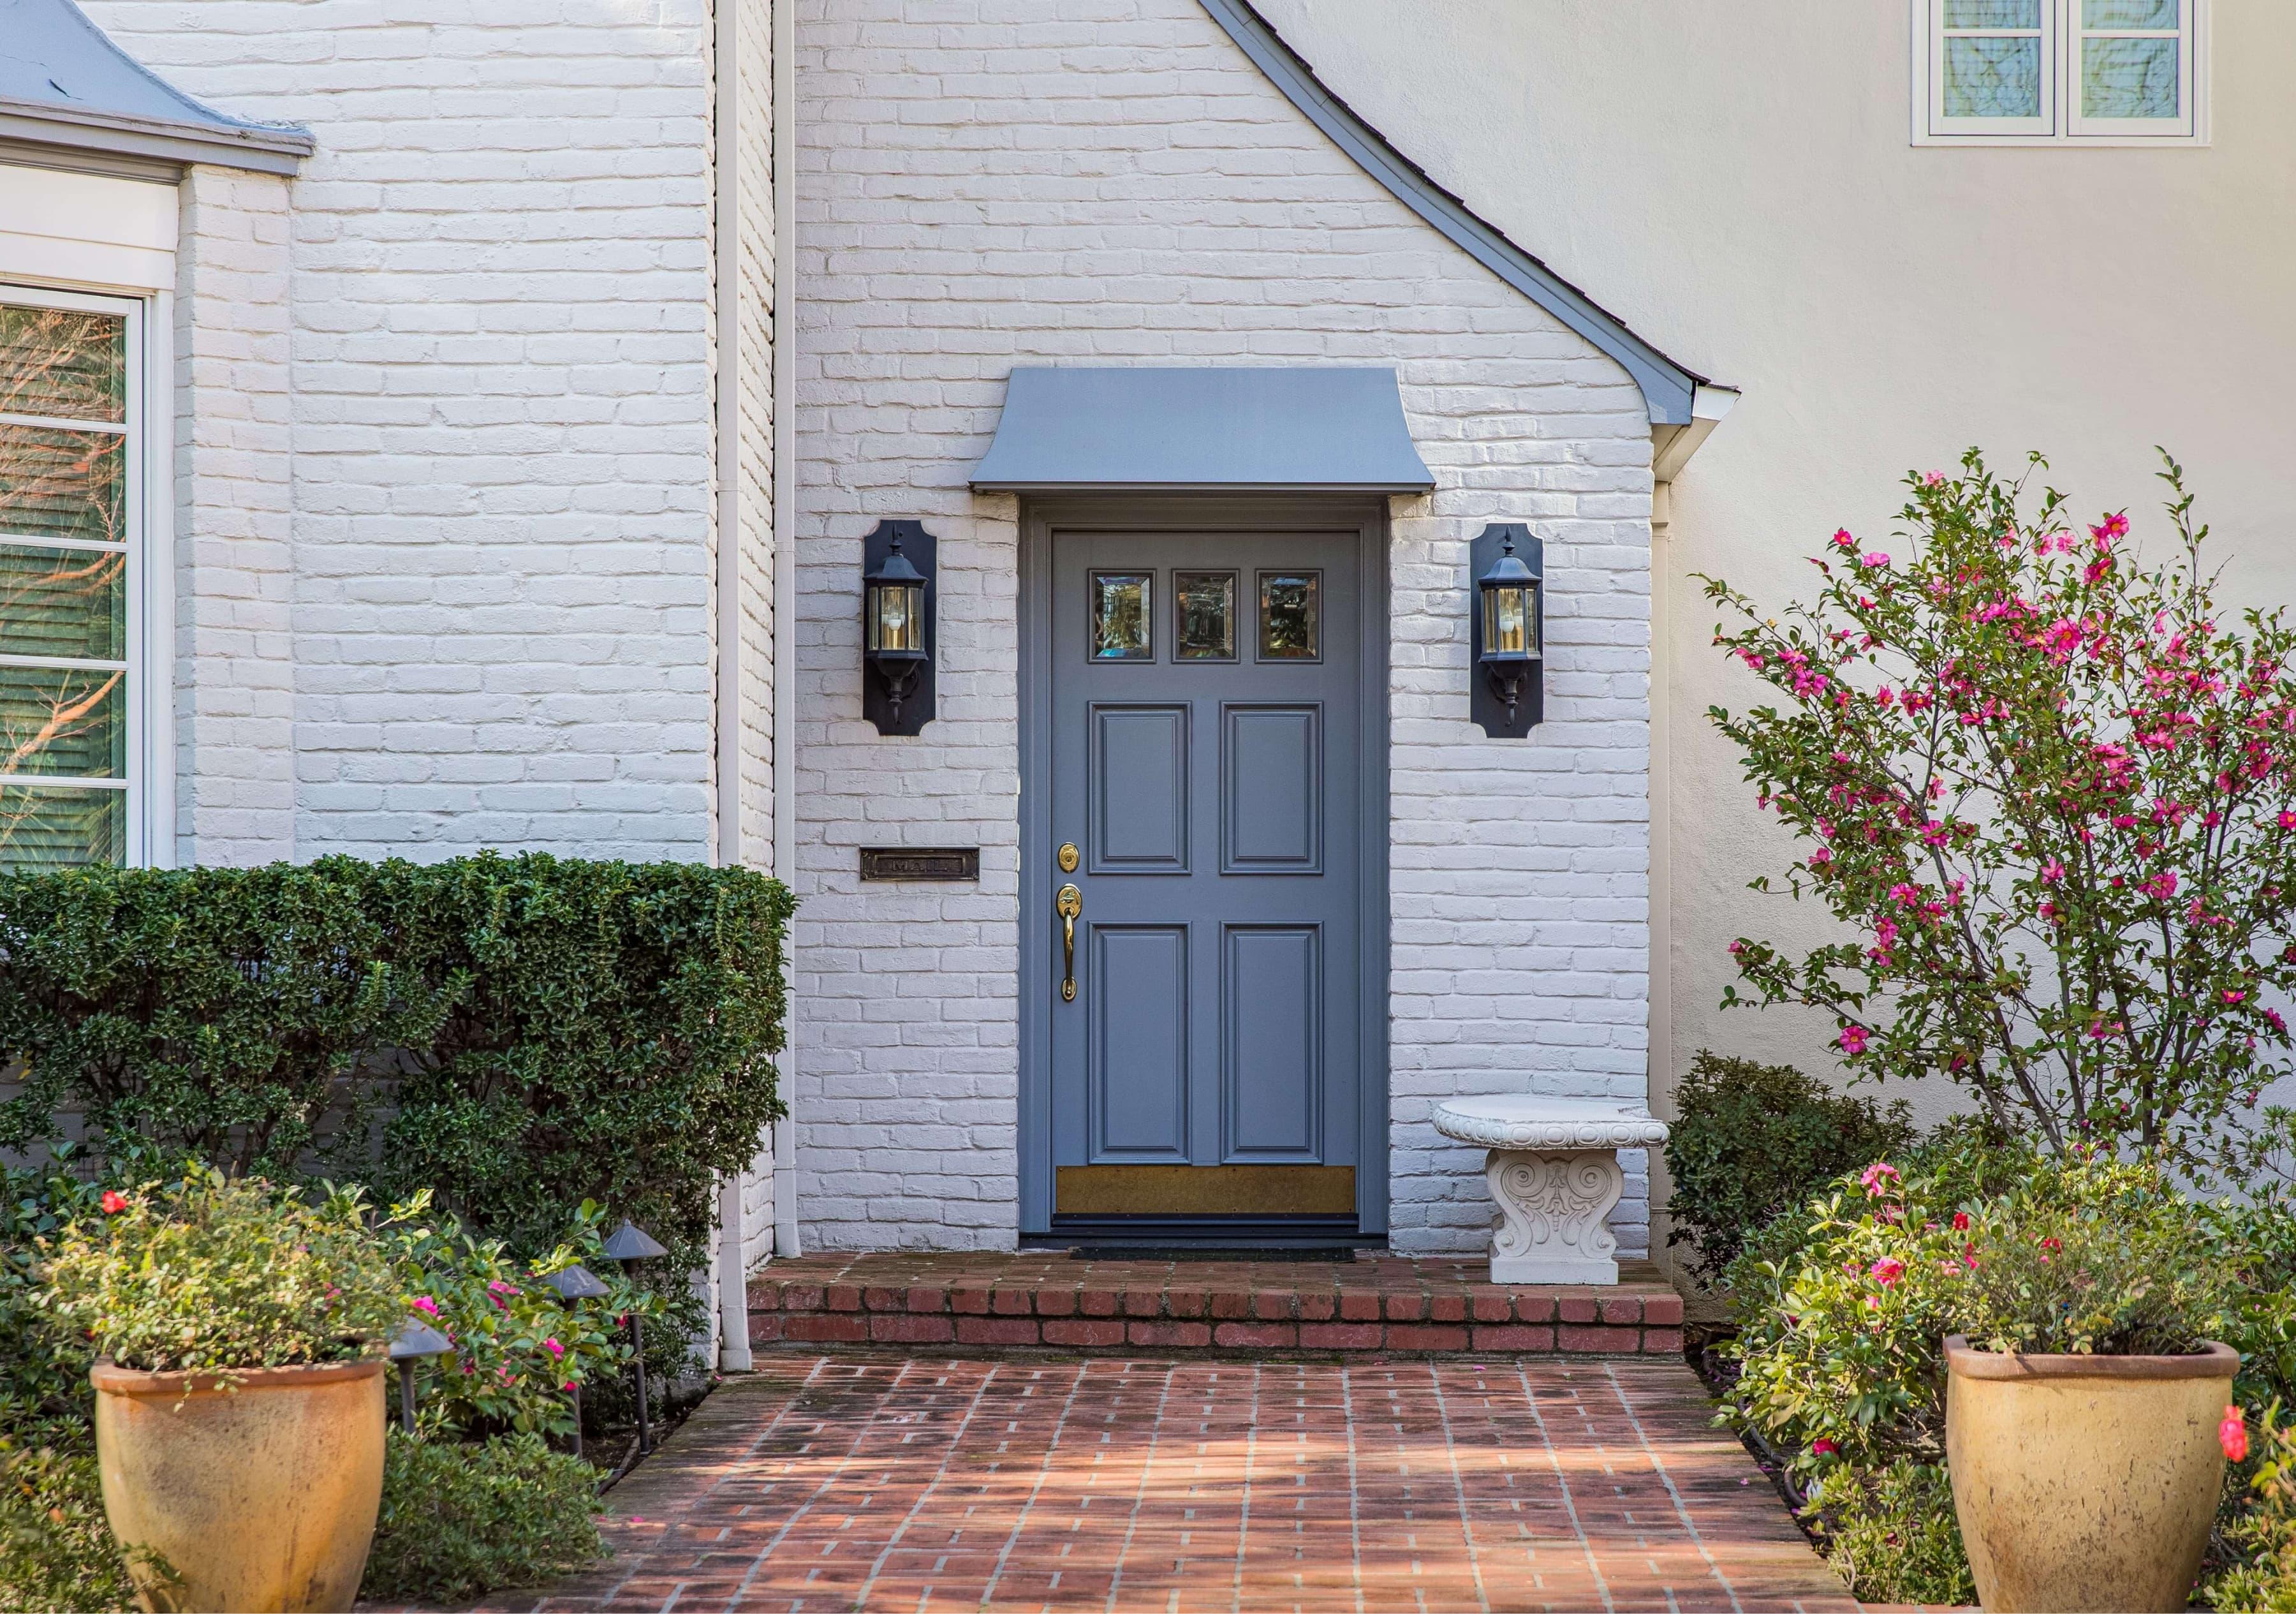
column 1111, row 181
column 1737, row 181
column 495, row 574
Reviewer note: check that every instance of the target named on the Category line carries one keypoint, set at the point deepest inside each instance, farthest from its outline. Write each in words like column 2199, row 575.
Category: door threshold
column 1151, row 1237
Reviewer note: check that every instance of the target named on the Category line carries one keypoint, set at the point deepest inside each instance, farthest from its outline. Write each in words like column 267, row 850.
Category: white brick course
column 234, row 673
column 983, row 183
column 491, row 577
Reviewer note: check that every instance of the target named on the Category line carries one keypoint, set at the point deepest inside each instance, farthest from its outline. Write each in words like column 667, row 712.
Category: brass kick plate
column 1204, row 1190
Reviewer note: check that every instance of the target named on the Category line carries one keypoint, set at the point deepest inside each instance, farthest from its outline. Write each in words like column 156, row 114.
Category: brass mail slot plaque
column 921, row 862
column 1204, row 1190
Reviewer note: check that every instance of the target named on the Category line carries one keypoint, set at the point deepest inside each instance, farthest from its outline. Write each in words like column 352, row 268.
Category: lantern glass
column 896, row 617
column 1510, row 622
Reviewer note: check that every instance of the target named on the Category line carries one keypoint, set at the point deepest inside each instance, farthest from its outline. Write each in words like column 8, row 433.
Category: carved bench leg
column 1555, row 1214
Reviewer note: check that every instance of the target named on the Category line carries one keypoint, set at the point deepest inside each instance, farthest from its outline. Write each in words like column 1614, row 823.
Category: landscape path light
column 627, row 1243
column 572, row 1283
column 413, row 1342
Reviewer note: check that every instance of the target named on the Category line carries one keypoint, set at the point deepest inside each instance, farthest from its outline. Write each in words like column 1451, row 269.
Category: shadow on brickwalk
column 882, row 1482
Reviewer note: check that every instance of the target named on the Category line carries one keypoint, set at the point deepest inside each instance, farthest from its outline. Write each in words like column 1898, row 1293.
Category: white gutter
column 784, row 393
column 733, row 1270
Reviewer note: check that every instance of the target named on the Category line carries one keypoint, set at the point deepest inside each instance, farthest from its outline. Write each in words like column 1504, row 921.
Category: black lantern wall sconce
column 898, row 565
column 1510, row 630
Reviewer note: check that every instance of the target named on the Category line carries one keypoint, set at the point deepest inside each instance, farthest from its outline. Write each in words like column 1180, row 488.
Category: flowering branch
column 2054, row 793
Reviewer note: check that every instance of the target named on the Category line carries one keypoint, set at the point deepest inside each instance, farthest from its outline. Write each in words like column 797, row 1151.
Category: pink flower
column 567, row 1387
column 1823, row 1447
column 1843, row 541
column 555, row 1349
column 1853, row 1040
column 425, row 1305
column 2163, row 885
column 1873, row 1175
column 113, row 1202
column 2053, row 871
column 1932, row 478
column 2287, row 819
column 1887, row 1270
column 1875, row 561
column 2232, row 1435
column 2233, row 997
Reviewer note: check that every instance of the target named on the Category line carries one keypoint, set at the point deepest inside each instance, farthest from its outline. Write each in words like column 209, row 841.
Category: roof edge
column 267, row 148
column 1669, row 389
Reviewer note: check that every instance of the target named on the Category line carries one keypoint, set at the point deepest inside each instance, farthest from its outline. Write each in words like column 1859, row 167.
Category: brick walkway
column 885, row 1483
column 1390, row 1303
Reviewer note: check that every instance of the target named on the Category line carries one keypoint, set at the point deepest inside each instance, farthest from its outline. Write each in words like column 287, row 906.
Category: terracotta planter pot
column 2085, row 1482
column 260, row 1498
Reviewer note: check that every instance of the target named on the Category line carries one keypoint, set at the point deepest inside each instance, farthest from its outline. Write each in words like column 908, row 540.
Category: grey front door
column 1206, row 747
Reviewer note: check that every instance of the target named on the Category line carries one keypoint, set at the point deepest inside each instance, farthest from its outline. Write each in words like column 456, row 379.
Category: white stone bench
column 1553, row 1170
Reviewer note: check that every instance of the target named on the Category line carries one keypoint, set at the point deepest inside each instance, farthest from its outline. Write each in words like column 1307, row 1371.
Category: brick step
column 1050, row 1300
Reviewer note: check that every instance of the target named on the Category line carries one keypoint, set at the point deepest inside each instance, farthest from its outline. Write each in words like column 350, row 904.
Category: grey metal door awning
column 1139, row 428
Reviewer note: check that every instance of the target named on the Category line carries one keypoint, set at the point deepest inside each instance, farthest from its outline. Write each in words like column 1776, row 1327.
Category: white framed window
column 2060, row 72
column 77, row 696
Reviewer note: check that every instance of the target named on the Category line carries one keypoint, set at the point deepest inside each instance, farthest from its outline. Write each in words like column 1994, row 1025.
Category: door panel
column 1137, row 998
column 1139, row 780
column 1271, row 1060
column 1271, row 790
column 1204, row 748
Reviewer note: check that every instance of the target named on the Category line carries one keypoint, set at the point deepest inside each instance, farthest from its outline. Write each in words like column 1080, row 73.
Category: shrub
column 1752, row 1142
column 44, row 1390
column 611, row 1039
column 2050, row 789
column 207, row 1011
column 1893, row 1536
column 214, row 1273
column 2262, row 1577
column 519, row 1034
column 518, row 1347
column 56, row 1551
column 461, row 1521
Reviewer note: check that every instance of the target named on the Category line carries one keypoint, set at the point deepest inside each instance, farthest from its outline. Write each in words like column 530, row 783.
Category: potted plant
column 240, row 1408
column 2087, row 1413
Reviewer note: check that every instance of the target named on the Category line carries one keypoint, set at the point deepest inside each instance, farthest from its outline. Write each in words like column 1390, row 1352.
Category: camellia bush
column 2052, row 790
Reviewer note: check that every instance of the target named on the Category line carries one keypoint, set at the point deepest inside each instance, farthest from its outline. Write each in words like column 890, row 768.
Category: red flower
column 1823, row 1447
column 1961, row 1222
column 113, row 1202
column 1887, row 1270
column 2232, row 1435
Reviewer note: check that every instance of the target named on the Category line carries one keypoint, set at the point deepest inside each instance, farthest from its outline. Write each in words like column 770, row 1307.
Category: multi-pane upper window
column 2020, row 72
column 70, row 501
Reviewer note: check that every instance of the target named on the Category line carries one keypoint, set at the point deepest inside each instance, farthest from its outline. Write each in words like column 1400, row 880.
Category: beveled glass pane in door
column 1122, row 607
column 61, row 483
column 1290, row 616
column 65, row 364
column 68, row 721
column 1204, row 609
column 64, row 603
column 44, row 826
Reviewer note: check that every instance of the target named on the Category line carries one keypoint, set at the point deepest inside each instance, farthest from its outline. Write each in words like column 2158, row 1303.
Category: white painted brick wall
column 499, row 566
column 755, row 455
column 235, row 673
column 989, row 182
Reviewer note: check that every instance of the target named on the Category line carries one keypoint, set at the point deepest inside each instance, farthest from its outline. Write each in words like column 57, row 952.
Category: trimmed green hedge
column 519, row 1034
column 1753, row 1142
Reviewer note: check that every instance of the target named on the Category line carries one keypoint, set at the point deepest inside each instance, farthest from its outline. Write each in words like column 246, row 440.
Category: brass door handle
column 1068, row 905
